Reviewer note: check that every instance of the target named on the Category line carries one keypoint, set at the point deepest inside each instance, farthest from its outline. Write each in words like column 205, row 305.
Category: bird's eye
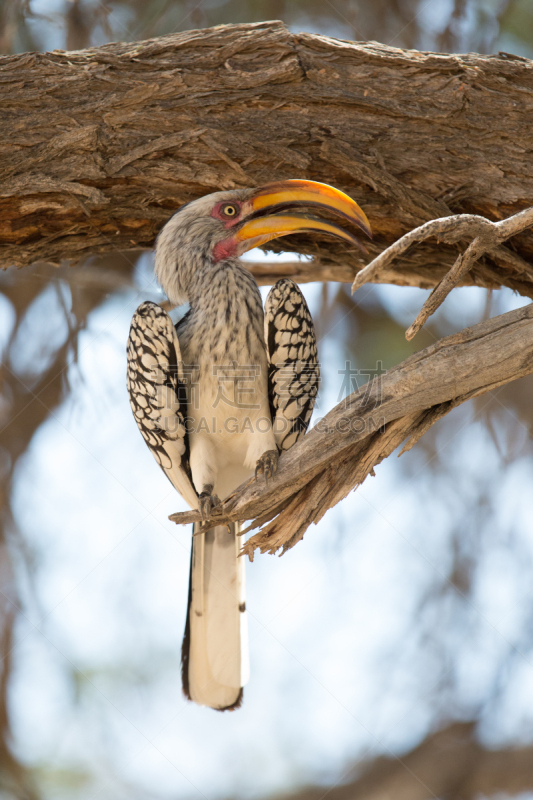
column 230, row 210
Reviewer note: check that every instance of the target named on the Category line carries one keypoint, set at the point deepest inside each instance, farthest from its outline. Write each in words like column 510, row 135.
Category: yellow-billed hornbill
column 219, row 396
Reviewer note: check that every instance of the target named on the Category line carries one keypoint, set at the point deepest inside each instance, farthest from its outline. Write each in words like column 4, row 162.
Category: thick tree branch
column 100, row 146
column 339, row 452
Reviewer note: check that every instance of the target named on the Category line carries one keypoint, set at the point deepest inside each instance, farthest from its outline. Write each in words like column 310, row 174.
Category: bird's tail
column 214, row 654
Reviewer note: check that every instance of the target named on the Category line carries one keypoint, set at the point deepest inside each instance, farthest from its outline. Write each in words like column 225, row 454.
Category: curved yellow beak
column 284, row 195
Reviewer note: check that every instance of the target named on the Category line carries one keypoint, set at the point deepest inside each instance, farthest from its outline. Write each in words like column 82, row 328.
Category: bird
column 220, row 395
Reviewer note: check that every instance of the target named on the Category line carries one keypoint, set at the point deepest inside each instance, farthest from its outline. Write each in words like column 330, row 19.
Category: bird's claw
column 206, row 503
column 267, row 464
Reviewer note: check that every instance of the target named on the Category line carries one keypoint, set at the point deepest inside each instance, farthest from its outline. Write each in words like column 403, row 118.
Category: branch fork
column 488, row 236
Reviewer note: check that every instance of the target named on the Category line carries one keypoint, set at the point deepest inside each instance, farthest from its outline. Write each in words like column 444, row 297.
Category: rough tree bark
column 100, row 146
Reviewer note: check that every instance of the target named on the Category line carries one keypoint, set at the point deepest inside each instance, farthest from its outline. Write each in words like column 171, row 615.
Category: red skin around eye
column 228, row 247
column 228, row 221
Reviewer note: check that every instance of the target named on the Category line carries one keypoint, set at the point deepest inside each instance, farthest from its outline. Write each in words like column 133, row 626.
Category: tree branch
column 488, row 237
column 400, row 406
column 100, row 146
column 450, row 763
column 268, row 272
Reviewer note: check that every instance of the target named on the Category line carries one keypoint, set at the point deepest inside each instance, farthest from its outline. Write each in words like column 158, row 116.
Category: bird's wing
column 158, row 396
column 294, row 373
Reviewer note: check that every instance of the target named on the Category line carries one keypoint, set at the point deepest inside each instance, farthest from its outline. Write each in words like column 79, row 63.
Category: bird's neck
column 226, row 312
column 226, row 287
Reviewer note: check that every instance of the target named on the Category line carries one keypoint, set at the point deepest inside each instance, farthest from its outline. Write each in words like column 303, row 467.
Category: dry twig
column 488, row 238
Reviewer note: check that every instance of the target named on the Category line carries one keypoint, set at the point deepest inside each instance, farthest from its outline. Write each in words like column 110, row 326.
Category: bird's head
column 224, row 225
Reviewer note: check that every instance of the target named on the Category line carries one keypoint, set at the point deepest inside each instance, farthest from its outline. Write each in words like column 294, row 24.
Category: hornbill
column 206, row 438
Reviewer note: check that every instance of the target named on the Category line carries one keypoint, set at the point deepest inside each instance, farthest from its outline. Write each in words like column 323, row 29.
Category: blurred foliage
column 43, row 311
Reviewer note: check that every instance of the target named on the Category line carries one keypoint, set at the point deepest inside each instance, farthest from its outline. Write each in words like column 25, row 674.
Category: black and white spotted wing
column 294, row 373
column 157, row 395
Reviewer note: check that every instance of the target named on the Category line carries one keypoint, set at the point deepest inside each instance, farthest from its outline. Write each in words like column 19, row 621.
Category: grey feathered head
column 224, row 225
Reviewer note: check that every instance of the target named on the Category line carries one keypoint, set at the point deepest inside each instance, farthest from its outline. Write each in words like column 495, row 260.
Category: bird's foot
column 267, row 465
column 207, row 501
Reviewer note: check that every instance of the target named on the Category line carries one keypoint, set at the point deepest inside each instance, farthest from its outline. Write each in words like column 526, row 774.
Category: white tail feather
column 215, row 646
